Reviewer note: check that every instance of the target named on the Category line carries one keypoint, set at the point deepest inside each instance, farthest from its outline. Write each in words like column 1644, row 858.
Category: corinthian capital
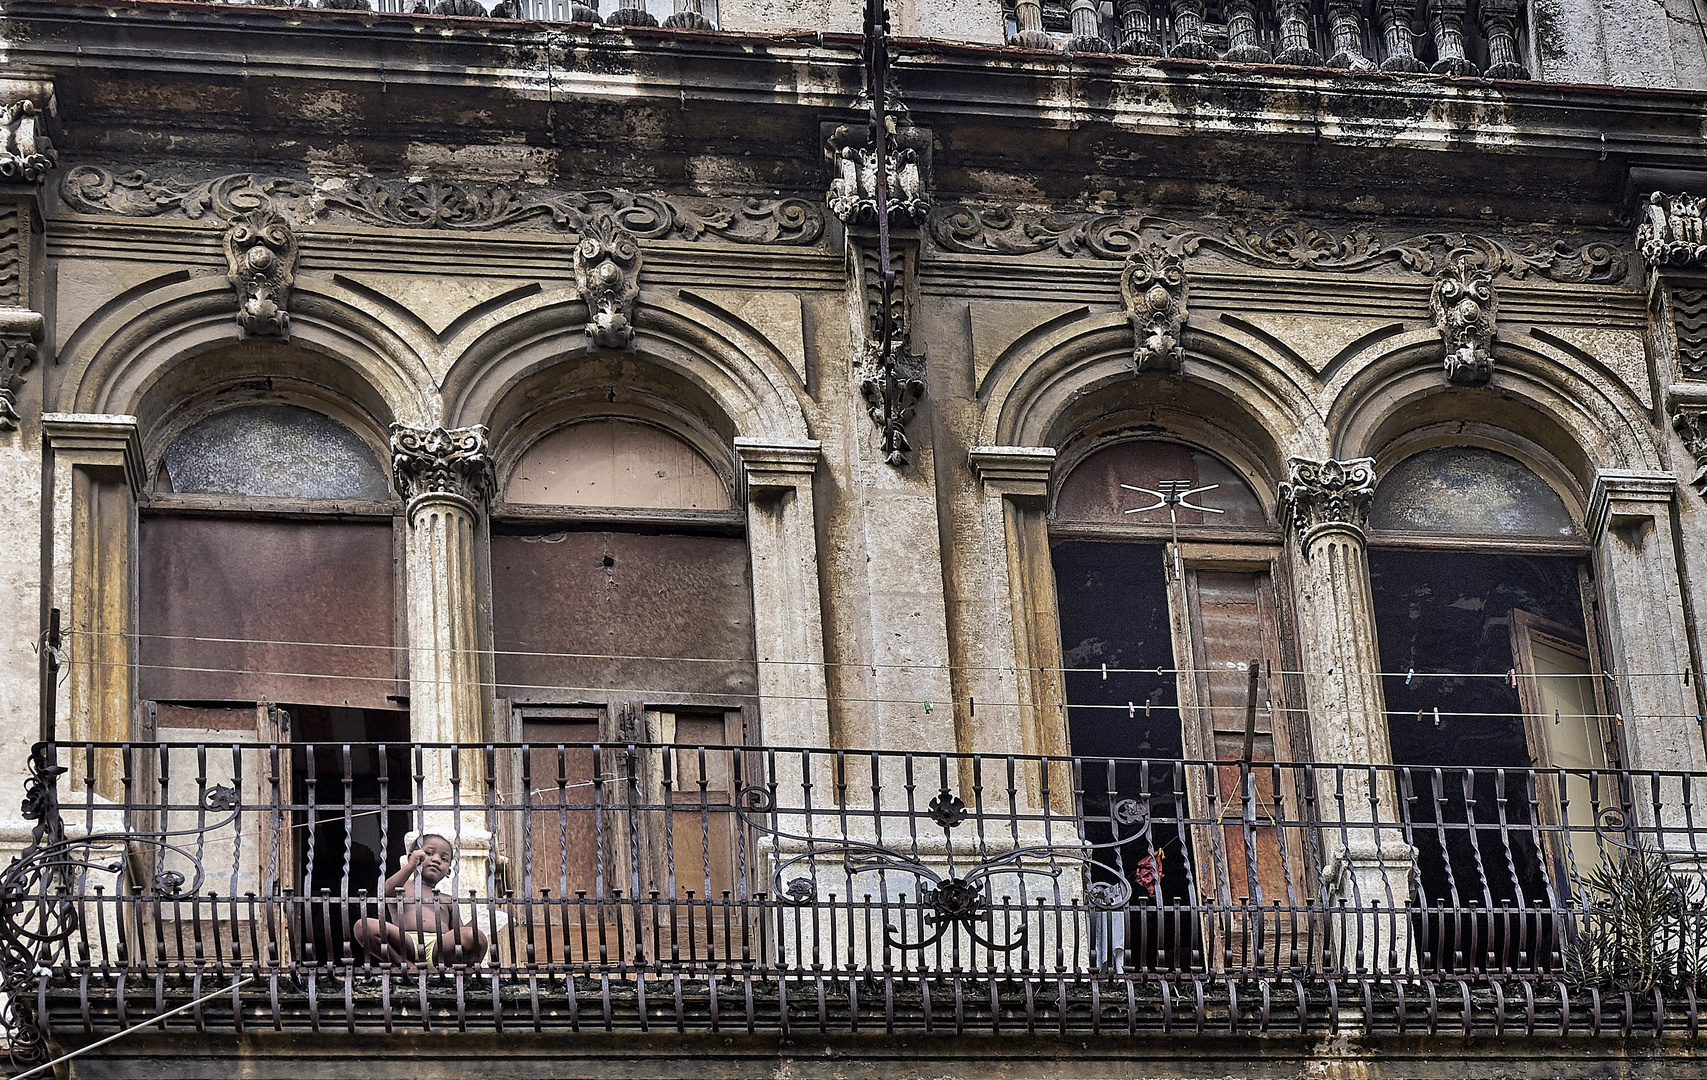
column 441, row 461
column 1327, row 494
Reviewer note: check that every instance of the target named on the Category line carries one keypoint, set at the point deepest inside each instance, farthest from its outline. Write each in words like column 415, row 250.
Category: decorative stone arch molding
column 129, row 368
column 714, row 376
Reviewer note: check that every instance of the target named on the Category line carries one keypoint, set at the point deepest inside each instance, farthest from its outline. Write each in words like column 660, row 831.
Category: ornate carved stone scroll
column 910, row 386
column 441, row 461
column 260, row 251
column 20, row 329
column 1690, row 421
column 1464, row 312
column 1670, row 232
column 1153, row 286
column 448, row 205
column 607, row 271
column 853, row 175
column 1327, row 495
column 1291, row 245
column 26, row 153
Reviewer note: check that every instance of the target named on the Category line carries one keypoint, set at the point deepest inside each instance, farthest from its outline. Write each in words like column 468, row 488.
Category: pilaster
column 1630, row 523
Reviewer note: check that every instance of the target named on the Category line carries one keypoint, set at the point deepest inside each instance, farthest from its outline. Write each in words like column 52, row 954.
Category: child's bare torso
column 420, row 910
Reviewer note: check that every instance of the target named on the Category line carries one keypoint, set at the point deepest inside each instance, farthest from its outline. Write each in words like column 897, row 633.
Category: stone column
column 1369, row 864
column 1394, row 18
column 1499, row 28
column 1243, row 46
column 1188, row 31
column 1446, row 21
column 1345, row 27
column 445, row 478
column 1294, row 18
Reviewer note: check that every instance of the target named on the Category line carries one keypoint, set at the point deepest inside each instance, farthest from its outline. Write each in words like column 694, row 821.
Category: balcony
column 644, row 887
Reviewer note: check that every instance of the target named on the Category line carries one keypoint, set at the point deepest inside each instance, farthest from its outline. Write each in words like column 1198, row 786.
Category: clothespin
column 1511, row 678
column 1556, row 716
column 1618, row 718
column 1419, row 716
column 1146, row 708
column 1105, row 673
column 927, row 706
column 1409, row 675
column 1131, row 711
column 971, row 706
column 1437, row 716
column 1611, row 678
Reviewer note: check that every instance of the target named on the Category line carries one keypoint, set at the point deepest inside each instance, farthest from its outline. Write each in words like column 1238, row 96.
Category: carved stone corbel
column 26, row 153
column 853, row 174
column 1670, row 232
column 441, row 461
column 19, row 332
column 607, row 271
column 1324, row 496
column 1464, row 313
column 1153, row 287
column 260, row 253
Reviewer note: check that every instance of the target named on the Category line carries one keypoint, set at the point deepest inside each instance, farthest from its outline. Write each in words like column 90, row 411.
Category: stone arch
column 716, row 377
column 151, row 350
column 1059, row 386
column 1550, row 406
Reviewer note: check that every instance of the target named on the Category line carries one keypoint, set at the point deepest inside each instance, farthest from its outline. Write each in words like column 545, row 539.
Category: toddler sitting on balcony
column 417, row 926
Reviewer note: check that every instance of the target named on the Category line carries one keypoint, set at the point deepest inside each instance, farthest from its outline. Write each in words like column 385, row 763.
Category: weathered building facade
column 1230, row 610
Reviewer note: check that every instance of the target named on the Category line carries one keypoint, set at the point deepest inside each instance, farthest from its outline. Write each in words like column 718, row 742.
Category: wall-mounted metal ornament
column 260, row 254
column 1153, row 287
column 1464, row 312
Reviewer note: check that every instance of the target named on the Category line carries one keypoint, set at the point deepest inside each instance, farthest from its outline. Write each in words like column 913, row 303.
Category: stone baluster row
column 1144, row 28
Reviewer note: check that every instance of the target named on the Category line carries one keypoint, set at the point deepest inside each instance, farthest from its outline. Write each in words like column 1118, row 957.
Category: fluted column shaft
column 445, row 476
column 1369, row 866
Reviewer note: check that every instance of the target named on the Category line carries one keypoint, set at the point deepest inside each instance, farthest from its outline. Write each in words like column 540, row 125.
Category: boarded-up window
column 615, row 463
column 251, row 610
column 601, row 615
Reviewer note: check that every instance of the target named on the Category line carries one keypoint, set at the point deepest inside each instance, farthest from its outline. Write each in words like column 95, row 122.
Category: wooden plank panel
column 224, row 604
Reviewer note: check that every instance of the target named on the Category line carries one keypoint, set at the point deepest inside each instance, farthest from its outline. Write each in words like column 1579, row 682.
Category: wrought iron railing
column 652, row 886
column 675, row 14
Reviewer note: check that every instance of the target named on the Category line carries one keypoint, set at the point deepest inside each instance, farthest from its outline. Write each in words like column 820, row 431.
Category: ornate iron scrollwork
column 38, row 912
column 955, row 894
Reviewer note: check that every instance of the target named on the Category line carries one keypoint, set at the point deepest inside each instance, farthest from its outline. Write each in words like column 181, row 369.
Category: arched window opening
column 268, row 612
column 276, row 451
column 622, row 610
column 1482, row 590
column 1163, row 605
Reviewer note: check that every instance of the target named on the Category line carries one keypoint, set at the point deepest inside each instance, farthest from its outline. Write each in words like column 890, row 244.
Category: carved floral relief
column 1319, row 494
column 607, row 272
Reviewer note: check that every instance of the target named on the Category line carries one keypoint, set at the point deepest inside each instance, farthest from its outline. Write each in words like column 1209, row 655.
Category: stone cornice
column 1017, row 471
column 1659, row 127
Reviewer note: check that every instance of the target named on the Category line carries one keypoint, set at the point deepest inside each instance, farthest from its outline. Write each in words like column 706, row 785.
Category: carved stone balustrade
column 1443, row 37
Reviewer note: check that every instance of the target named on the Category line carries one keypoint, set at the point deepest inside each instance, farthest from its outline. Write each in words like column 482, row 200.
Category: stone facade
column 1100, row 234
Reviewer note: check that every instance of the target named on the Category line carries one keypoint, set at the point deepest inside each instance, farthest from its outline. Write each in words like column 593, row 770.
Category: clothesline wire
column 662, row 693
column 1229, row 667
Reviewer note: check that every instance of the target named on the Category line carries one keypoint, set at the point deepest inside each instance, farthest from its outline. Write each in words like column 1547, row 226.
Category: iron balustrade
column 665, row 886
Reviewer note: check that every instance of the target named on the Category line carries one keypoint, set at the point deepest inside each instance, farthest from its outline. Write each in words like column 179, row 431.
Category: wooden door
column 561, row 843
column 1225, row 617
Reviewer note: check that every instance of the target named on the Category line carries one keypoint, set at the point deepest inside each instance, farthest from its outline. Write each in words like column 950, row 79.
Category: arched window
column 622, row 608
column 1483, row 599
column 1165, row 567
column 268, row 611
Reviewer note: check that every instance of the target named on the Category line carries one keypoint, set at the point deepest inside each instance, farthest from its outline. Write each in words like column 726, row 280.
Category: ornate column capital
column 449, row 462
column 774, row 467
column 1327, row 496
